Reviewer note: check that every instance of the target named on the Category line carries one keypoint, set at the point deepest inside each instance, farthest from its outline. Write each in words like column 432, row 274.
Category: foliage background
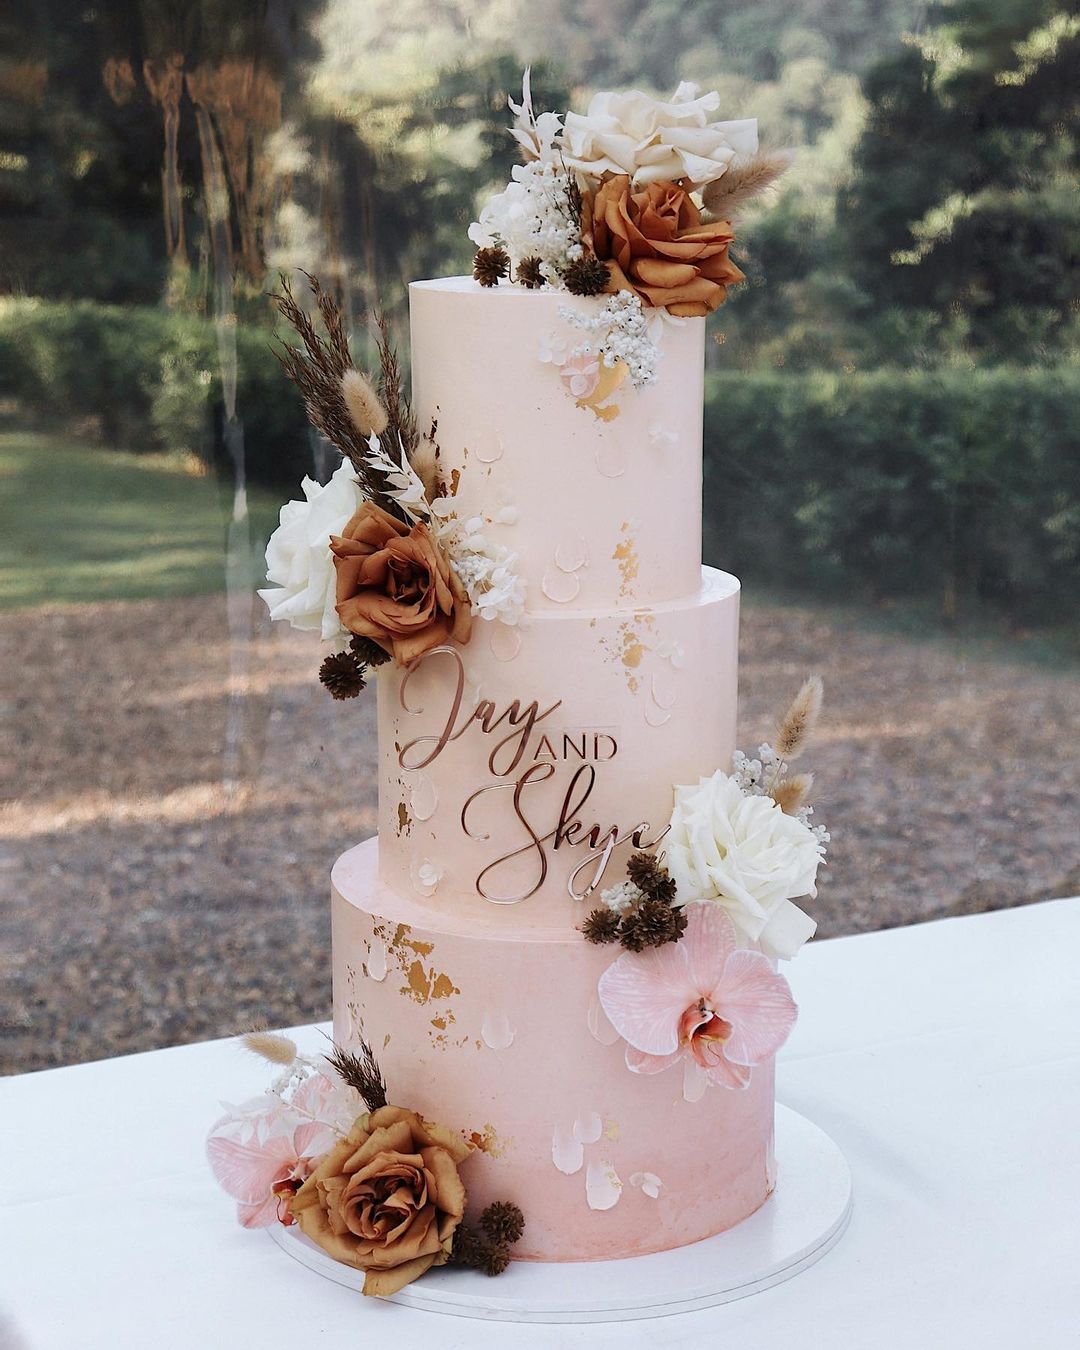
column 894, row 390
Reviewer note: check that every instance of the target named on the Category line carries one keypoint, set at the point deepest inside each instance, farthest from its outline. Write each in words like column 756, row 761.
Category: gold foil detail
column 487, row 1141
column 610, row 379
column 629, row 563
column 404, row 820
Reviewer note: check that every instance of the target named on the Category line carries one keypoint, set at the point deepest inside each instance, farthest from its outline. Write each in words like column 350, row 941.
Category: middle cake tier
column 522, row 769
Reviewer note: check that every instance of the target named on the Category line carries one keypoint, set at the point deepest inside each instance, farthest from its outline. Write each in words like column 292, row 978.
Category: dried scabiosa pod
column 490, row 264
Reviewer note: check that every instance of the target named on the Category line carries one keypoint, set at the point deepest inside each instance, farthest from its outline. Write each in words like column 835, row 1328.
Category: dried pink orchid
column 724, row 1007
column 262, row 1152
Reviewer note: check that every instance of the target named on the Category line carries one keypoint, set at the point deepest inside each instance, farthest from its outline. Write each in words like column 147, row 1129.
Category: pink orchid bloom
column 261, row 1157
column 724, row 1007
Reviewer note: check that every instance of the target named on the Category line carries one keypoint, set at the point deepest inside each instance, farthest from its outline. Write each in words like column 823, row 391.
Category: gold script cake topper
column 511, row 755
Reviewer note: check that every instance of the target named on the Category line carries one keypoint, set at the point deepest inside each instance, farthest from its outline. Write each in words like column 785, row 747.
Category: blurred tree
column 964, row 196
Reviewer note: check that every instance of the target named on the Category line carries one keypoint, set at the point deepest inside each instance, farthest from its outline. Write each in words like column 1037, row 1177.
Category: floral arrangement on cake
column 738, row 851
column 637, row 194
column 633, row 199
column 376, row 561
column 377, row 1189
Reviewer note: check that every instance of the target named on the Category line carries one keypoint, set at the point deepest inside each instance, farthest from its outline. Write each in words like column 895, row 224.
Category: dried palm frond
column 271, row 1046
column 317, row 371
column 743, row 180
column 793, row 792
column 798, row 722
column 394, row 397
column 361, row 1072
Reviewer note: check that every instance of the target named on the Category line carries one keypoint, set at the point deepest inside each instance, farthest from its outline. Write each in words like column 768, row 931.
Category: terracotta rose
column 395, row 585
column 388, row 1199
column 654, row 242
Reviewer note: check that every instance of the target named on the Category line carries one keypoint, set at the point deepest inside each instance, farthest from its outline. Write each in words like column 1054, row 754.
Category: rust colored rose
column 395, row 585
column 388, row 1199
column 656, row 244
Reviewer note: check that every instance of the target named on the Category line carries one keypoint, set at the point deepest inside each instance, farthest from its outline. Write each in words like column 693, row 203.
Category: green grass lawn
column 82, row 524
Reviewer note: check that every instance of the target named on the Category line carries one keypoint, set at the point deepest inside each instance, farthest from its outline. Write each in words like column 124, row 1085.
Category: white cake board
column 795, row 1227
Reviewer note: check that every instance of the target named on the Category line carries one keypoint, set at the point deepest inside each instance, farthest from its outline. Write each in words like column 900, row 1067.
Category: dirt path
column 159, row 888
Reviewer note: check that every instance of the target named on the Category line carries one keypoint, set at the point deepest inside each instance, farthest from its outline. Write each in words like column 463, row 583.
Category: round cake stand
column 795, row 1227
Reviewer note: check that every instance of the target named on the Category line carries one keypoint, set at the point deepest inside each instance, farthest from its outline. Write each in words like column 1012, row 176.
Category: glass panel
column 891, row 465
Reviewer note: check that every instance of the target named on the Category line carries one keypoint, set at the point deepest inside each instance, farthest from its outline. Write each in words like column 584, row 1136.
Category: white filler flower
column 654, row 141
column 298, row 558
column 744, row 853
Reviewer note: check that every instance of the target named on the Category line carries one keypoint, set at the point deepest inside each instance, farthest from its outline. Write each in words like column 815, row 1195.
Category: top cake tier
column 600, row 497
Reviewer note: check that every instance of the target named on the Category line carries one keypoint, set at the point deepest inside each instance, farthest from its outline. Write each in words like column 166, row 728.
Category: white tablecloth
column 943, row 1058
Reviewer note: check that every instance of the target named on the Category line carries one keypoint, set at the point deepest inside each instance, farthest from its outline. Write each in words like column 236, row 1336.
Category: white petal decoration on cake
column 489, row 454
column 562, row 587
column 424, row 797
column 376, row 961
column 611, row 459
column 654, row 715
column 506, row 515
column 505, row 641
column 600, row 1028
column 602, row 1186
column 588, row 1128
column 648, row 1182
column 571, row 552
column 673, row 651
column 496, row 1031
column 661, row 438
column 425, row 875
column 567, row 1153
column 662, row 688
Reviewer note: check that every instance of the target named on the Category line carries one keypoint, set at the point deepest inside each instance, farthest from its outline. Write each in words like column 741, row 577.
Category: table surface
column 942, row 1058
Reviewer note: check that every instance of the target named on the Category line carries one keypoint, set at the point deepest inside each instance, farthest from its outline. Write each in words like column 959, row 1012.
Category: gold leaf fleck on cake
column 404, row 820
column 455, row 482
column 611, row 1130
column 626, row 556
column 487, row 1141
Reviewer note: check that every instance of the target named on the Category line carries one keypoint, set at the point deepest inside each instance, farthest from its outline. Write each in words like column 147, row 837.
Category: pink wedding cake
column 507, row 770
column 564, row 942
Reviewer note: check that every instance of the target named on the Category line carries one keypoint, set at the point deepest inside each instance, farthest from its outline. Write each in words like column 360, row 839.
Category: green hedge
column 956, row 484
column 147, row 379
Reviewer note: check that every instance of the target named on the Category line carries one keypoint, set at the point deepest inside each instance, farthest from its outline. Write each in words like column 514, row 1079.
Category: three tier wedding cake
column 561, row 951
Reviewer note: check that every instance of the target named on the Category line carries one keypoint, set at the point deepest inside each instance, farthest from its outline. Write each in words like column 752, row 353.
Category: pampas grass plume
column 367, row 412
column 799, row 720
column 793, row 792
column 269, row 1045
column 744, row 180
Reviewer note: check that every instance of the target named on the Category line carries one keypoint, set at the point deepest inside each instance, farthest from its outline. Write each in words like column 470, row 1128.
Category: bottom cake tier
column 501, row 1033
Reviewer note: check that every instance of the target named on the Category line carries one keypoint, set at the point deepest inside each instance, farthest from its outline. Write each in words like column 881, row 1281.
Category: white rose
column 747, row 855
column 298, row 557
column 653, row 141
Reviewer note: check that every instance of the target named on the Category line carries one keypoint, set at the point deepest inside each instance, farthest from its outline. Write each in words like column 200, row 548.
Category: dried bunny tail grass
column 425, row 465
column 793, row 792
column 744, row 180
column 799, row 720
column 271, row 1046
column 368, row 414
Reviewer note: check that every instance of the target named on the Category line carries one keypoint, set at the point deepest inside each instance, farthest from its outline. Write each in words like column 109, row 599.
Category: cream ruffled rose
column 654, row 141
column 387, row 1199
column 298, row 558
column 747, row 855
